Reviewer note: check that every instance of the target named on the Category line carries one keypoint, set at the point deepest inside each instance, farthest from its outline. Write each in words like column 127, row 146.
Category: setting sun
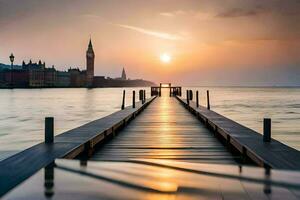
column 166, row 58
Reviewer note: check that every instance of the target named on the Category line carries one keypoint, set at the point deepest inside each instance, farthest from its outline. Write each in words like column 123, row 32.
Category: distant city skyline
column 190, row 42
column 38, row 75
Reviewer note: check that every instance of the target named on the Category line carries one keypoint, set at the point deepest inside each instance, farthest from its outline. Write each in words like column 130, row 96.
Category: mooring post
column 267, row 130
column 208, row 104
column 187, row 97
column 187, row 94
column 191, row 95
column 140, row 94
column 49, row 130
column 197, row 99
column 159, row 93
column 133, row 99
column 123, row 100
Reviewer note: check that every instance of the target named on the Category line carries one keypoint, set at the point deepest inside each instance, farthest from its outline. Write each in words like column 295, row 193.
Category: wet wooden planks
column 70, row 144
column 156, row 179
column 250, row 143
column 165, row 130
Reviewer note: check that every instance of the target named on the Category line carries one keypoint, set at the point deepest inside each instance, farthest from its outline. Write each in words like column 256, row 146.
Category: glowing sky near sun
column 238, row 42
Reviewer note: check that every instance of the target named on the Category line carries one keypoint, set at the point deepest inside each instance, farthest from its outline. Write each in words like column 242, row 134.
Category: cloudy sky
column 210, row 42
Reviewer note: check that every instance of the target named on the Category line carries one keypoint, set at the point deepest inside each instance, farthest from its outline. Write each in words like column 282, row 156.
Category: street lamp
column 12, row 58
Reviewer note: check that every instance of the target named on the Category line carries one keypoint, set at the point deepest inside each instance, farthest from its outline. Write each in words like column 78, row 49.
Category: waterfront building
column 20, row 78
column 77, row 77
column 63, row 79
column 50, row 77
column 36, row 78
column 36, row 73
column 99, row 81
column 33, row 66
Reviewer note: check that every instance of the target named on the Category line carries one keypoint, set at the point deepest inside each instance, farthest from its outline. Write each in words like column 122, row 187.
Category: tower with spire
column 123, row 77
column 90, row 59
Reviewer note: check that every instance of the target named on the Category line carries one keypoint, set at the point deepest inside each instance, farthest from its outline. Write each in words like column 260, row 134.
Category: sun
column 165, row 58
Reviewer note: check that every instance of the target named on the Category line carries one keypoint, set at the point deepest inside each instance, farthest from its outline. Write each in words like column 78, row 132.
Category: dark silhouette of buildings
column 90, row 61
column 123, row 74
column 37, row 75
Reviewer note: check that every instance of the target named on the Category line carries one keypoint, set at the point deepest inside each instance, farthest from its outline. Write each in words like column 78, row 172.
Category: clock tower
column 90, row 58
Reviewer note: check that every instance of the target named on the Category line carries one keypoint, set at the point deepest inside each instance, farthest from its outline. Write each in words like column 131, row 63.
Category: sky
column 209, row 42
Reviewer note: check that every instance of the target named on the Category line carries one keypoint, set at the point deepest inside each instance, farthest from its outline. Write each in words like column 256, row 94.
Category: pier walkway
column 165, row 130
column 246, row 141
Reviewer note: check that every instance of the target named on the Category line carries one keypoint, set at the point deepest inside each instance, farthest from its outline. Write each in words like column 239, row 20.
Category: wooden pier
column 171, row 128
column 248, row 142
column 165, row 130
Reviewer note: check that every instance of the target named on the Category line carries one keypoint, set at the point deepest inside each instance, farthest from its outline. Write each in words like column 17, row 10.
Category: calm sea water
column 23, row 111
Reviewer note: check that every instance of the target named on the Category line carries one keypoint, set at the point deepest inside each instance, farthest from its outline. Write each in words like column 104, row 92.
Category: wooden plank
column 274, row 154
column 20, row 166
column 165, row 131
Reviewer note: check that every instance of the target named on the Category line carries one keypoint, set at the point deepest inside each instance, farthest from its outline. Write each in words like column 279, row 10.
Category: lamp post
column 12, row 58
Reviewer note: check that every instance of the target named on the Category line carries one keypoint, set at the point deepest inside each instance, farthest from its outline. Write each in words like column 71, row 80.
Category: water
column 23, row 111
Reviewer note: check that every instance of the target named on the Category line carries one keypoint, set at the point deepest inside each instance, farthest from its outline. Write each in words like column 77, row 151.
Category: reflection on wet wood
column 156, row 179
